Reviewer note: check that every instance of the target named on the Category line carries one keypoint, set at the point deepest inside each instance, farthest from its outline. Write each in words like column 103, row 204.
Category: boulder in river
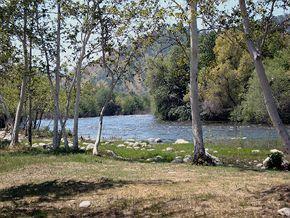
column 158, row 140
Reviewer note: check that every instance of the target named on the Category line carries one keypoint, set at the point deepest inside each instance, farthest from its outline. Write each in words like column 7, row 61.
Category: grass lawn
column 40, row 184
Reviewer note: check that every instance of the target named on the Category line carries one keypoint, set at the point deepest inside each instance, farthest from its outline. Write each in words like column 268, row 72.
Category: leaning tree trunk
column 100, row 129
column 15, row 132
column 199, row 151
column 264, row 83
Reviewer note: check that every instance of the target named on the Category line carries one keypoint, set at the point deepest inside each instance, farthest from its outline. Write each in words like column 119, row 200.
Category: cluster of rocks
column 275, row 160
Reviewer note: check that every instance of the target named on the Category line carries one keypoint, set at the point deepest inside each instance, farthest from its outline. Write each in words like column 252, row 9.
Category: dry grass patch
column 119, row 188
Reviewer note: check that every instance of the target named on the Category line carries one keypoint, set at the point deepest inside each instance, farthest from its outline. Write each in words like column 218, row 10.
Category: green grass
column 230, row 152
column 233, row 152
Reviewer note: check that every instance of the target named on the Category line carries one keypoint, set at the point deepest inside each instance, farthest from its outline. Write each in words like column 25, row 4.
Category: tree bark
column 56, row 141
column 99, row 135
column 78, row 90
column 264, row 83
column 199, row 151
column 15, row 132
column 29, row 129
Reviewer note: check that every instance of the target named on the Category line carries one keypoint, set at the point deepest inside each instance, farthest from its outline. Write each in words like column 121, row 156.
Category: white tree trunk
column 266, row 89
column 99, row 135
column 199, row 151
column 78, row 90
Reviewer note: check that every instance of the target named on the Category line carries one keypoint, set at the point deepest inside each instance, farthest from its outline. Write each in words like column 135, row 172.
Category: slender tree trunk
column 40, row 119
column 99, row 134
column 266, row 89
column 76, row 109
column 5, row 108
column 29, row 129
column 100, row 127
column 15, row 132
column 35, row 120
column 199, row 151
column 78, row 90
column 9, row 121
column 57, row 83
column 64, row 119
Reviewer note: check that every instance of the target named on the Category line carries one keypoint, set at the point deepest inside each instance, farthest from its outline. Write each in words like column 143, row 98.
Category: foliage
column 168, row 79
column 93, row 98
column 223, row 82
column 253, row 109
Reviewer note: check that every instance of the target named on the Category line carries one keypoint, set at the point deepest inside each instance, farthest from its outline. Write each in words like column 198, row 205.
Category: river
column 142, row 127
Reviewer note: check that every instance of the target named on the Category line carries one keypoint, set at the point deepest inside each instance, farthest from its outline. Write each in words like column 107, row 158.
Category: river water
column 142, row 127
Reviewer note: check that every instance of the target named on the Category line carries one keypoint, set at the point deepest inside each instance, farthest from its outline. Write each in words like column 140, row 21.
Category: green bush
column 253, row 109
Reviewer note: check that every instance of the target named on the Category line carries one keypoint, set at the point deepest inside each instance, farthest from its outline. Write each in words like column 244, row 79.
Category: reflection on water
column 146, row 126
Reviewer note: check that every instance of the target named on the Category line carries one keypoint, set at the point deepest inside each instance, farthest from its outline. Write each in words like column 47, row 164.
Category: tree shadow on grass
column 34, row 199
column 54, row 190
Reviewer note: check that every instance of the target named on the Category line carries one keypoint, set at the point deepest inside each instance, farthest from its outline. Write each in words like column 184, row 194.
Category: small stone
column 182, row 151
column 177, row 159
column 111, row 153
column 121, row 146
column 255, row 151
column 149, row 160
column 35, row 145
column 130, row 140
column 158, row 158
column 239, row 148
column 90, row 147
column 85, row 204
column 260, row 165
column 284, row 212
column 266, row 162
column 276, row 151
column 181, row 141
column 152, row 149
column 215, row 152
column 158, row 140
column 187, row 159
column 151, row 140
column 169, row 149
